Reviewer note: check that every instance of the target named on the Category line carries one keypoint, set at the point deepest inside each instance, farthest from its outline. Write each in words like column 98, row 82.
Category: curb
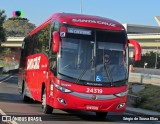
column 143, row 112
column 135, row 113
column 5, row 77
column 10, row 73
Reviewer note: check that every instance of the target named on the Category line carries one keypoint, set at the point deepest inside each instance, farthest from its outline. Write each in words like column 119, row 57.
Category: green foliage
column 149, row 58
column 17, row 27
column 2, row 31
column 4, row 64
column 43, row 38
column 3, row 52
column 149, row 97
column 38, row 42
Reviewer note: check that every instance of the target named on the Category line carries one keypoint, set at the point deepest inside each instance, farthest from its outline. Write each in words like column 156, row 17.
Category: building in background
column 157, row 18
column 147, row 36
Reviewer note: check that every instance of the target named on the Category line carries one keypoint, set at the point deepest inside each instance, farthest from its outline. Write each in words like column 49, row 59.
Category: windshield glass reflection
column 75, row 56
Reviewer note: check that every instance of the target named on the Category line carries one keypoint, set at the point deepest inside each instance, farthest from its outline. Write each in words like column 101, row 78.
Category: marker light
column 63, row 31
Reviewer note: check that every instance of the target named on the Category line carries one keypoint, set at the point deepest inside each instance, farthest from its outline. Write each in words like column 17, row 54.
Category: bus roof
column 81, row 20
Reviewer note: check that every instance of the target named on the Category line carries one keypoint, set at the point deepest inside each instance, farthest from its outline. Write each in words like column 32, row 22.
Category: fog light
column 62, row 101
column 120, row 105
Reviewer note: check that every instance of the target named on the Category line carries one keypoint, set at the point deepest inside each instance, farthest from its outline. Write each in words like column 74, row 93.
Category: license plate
column 92, row 107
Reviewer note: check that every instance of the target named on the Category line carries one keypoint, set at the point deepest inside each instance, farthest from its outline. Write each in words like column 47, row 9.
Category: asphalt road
column 11, row 104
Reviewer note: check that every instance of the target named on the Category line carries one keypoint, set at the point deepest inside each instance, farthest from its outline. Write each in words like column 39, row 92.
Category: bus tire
column 46, row 108
column 24, row 97
column 101, row 114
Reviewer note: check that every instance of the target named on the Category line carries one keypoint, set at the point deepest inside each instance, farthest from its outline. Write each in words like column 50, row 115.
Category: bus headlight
column 121, row 94
column 65, row 90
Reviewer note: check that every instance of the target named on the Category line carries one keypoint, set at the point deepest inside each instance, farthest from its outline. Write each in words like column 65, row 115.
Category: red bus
column 80, row 62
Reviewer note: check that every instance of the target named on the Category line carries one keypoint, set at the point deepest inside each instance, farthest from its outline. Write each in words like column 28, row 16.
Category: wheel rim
column 44, row 100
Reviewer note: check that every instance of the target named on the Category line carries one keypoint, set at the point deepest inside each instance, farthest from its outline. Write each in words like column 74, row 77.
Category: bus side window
column 53, row 62
column 23, row 50
column 36, row 44
column 26, row 49
column 53, row 56
column 30, row 48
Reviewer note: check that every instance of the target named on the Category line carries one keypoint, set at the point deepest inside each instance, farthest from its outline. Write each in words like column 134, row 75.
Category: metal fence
column 144, row 78
column 147, row 71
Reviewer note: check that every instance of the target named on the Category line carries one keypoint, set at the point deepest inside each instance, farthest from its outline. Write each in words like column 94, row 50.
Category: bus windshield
column 113, row 55
column 86, row 60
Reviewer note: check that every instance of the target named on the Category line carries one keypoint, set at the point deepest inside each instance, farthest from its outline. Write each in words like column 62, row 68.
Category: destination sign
column 79, row 31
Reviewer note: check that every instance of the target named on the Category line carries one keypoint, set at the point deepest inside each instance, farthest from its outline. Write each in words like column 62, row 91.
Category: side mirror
column 55, row 42
column 137, row 50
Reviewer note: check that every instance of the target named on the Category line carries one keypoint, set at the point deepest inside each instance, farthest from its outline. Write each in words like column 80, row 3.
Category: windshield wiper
column 120, row 82
column 84, row 71
column 108, row 72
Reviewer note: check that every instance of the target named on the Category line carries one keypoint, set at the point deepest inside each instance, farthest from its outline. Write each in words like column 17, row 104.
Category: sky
column 124, row 11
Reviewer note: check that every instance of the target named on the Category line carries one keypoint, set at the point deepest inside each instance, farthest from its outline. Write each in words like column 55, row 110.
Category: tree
column 150, row 58
column 17, row 27
column 2, row 31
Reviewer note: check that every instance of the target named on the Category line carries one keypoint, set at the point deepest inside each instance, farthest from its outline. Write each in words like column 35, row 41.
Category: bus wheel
column 46, row 108
column 101, row 114
column 24, row 97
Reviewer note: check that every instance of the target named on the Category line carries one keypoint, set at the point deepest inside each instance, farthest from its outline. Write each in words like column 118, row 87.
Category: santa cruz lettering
column 94, row 21
column 33, row 63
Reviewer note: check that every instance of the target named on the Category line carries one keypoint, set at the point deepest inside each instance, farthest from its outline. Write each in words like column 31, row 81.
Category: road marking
column 6, row 79
column 4, row 114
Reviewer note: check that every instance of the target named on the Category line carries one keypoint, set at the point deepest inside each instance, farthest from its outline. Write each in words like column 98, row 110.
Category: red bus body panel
column 36, row 74
column 81, row 20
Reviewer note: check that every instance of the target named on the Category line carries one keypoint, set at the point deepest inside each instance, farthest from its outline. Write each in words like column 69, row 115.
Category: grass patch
column 4, row 64
column 150, row 97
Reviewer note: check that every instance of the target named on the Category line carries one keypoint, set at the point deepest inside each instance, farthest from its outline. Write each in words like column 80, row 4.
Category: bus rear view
column 85, row 65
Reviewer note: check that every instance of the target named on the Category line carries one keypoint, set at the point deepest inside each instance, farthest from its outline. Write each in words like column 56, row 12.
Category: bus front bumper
column 90, row 102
